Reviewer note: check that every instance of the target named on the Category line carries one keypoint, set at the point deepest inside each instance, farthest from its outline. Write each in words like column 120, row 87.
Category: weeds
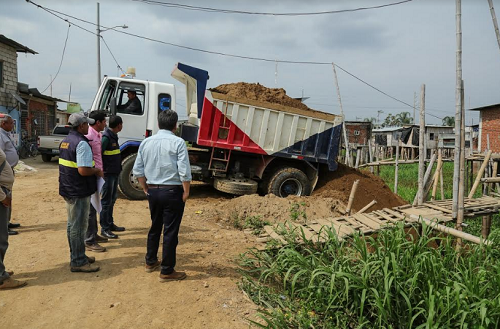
column 255, row 223
column 298, row 212
column 389, row 282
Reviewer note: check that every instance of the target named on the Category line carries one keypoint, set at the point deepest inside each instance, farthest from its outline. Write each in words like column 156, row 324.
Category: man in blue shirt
column 163, row 170
column 77, row 182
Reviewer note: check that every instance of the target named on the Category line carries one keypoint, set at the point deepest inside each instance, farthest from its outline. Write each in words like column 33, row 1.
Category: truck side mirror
column 112, row 105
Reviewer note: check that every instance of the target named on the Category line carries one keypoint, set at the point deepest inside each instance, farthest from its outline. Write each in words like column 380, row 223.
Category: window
column 431, row 136
column 1, row 74
column 130, row 98
column 62, row 130
column 356, row 132
column 107, row 94
column 164, row 102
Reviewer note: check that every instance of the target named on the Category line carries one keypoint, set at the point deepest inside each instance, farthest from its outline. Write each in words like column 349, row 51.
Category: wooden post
column 461, row 185
column 358, row 156
column 351, row 197
column 370, row 151
column 486, row 226
column 437, row 174
column 458, row 107
column 479, row 174
column 368, row 206
column 441, row 184
column 427, row 177
column 421, row 155
column 448, row 230
column 346, row 141
column 396, row 169
column 494, row 18
column 494, row 175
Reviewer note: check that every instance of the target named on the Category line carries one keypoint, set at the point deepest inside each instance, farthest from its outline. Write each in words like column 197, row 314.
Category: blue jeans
column 4, row 239
column 108, row 199
column 78, row 219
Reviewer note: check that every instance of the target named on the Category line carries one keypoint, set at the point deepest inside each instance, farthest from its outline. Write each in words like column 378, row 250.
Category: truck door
column 131, row 105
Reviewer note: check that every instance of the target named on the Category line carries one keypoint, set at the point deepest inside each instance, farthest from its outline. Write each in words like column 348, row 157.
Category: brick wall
column 8, row 56
column 364, row 130
column 490, row 125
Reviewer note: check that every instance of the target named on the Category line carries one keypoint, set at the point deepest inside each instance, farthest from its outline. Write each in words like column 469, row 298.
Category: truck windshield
column 63, row 130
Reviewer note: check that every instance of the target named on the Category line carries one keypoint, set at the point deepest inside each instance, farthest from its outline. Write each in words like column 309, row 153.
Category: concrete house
column 358, row 132
column 9, row 98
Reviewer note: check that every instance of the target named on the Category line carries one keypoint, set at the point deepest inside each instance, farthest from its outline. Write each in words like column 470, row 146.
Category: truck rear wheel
column 233, row 185
column 127, row 183
column 289, row 181
column 46, row 157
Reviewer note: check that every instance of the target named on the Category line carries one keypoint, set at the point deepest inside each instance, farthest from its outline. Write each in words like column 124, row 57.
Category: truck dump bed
column 258, row 127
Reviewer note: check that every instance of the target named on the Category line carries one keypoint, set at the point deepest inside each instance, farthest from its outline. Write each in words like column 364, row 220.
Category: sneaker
column 12, row 232
column 95, row 247
column 91, row 259
column 174, row 276
column 14, row 225
column 101, row 239
column 12, row 284
column 117, row 228
column 152, row 268
column 10, row 273
column 87, row 268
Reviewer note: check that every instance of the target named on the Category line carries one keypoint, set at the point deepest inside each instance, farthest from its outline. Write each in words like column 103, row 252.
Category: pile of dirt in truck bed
column 258, row 92
column 338, row 184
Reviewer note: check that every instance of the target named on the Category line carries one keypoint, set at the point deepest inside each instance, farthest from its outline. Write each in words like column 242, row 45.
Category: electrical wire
column 228, row 11
column 51, row 11
column 62, row 59
column 117, row 65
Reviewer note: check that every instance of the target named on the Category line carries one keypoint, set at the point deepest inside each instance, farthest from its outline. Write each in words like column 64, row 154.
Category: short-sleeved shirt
column 84, row 155
column 7, row 146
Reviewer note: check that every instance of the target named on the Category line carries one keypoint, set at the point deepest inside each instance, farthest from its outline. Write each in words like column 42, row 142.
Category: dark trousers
column 92, row 228
column 167, row 208
column 4, row 239
column 108, row 199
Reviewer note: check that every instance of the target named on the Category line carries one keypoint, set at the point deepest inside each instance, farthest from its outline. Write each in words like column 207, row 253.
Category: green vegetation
column 298, row 212
column 389, row 282
column 249, row 222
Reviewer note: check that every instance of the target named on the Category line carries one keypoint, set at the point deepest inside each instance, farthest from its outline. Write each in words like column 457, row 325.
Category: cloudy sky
column 396, row 49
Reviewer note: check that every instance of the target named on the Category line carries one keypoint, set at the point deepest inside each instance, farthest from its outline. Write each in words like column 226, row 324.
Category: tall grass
column 393, row 281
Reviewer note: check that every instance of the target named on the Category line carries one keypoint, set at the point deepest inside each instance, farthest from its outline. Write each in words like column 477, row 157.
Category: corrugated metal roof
column 488, row 107
column 386, row 129
column 16, row 45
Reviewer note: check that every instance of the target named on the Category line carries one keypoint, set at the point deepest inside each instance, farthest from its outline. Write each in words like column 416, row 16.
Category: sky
column 396, row 49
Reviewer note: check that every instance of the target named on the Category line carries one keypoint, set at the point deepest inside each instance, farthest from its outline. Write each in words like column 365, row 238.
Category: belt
column 162, row 186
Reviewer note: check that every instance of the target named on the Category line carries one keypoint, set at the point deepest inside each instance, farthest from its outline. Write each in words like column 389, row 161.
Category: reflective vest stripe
column 67, row 163
column 113, row 152
column 71, row 164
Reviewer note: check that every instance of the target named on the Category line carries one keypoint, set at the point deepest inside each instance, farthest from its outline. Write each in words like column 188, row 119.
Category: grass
column 389, row 282
column 254, row 223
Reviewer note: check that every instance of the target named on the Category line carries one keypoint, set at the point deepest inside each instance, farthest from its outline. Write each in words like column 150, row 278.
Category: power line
column 55, row 13
column 62, row 58
column 51, row 11
column 229, row 11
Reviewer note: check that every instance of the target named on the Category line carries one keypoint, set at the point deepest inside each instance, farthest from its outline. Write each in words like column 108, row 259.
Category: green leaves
column 388, row 282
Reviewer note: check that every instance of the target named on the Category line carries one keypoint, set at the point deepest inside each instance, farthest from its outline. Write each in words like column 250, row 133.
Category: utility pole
column 421, row 149
column 414, row 106
column 458, row 115
column 494, row 18
column 346, row 140
column 98, row 49
column 378, row 117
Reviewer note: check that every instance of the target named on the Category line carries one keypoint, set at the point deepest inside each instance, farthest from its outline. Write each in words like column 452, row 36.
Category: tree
column 449, row 121
column 397, row 120
column 372, row 120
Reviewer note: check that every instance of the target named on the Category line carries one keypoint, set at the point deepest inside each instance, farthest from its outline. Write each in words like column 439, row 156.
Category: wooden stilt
column 479, row 175
column 351, row 197
column 486, row 227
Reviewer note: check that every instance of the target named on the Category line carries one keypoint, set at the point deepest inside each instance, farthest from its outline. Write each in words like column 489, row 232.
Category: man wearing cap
column 6, row 145
column 77, row 182
column 133, row 105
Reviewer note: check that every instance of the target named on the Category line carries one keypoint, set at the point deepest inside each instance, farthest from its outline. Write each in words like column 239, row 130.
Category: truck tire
column 289, row 181
column 46, row 157
column 128, row 185
column 237, row 186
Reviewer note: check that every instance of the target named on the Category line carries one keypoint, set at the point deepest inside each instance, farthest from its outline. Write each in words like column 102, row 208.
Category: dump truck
column 240, row 146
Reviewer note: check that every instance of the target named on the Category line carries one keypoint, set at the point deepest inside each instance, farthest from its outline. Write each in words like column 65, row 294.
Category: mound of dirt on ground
column 273, row 209
column 258, row 92
column 338, row 185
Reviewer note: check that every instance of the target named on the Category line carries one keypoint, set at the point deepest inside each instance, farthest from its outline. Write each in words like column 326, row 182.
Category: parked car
column 48, row 146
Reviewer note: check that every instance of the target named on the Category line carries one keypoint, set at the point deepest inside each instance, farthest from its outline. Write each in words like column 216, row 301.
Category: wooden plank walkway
column 315, row 230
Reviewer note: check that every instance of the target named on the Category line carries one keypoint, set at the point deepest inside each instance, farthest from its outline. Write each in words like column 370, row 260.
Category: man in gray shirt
column 7, row 146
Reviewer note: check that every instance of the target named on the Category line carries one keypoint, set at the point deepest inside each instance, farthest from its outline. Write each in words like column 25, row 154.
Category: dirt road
column 121, row 295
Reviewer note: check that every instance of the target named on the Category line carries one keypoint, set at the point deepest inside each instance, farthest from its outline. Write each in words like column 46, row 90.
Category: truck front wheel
column 289, row 181
column 127, row 183
column 46, row 157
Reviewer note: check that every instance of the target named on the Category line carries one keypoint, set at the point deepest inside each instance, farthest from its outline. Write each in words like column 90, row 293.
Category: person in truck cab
column 133, row 105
